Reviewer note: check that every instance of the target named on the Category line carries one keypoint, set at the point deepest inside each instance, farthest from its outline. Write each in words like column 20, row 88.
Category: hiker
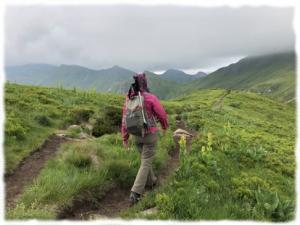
column 141, row 123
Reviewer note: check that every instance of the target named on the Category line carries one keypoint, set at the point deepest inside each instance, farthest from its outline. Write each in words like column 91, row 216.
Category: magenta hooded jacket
column 153, row 108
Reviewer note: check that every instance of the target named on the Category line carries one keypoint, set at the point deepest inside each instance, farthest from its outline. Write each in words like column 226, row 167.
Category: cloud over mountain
column 144, row 37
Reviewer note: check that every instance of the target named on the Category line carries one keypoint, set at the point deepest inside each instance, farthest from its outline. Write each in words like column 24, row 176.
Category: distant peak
column 116, row 67
column 173, row 70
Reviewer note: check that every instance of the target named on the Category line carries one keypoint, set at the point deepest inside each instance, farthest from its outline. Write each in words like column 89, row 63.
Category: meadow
column 241, row 165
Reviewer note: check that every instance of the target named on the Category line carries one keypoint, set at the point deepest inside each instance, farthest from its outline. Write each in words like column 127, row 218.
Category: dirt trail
column 115, row 200
column 218, row 104
column 29, row 168
column 110, row 205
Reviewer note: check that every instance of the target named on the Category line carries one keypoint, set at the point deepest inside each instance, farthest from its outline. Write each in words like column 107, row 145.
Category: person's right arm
column 160, row 113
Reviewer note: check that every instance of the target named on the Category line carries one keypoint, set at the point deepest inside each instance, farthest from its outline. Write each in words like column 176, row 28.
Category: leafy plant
column 44, row 120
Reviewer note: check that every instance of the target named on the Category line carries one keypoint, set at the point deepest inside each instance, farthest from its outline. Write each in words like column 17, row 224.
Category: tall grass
column 80, row 167
column 33, row 113
column 241, row 165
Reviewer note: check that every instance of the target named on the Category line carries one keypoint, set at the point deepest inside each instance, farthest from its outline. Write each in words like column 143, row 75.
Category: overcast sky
column 144, row 37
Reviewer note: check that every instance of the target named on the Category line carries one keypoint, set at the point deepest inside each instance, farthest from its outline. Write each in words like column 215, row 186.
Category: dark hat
column 141, row 81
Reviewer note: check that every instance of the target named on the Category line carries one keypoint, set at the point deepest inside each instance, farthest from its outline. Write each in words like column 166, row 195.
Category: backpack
column 135, row 116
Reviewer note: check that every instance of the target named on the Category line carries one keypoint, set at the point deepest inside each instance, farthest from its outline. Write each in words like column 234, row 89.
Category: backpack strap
column 150, row 120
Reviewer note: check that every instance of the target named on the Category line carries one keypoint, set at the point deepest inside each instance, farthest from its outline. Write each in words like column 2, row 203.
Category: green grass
column 33, row 113
column 271, row 75
column 241, row 165
column 88, row 166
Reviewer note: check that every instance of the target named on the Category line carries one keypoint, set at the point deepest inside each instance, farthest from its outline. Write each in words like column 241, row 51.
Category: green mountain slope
column 115, row 79
column 164, row 89
column 241, row 165
column 68, row 76
column 34, row 113
column 180, row 76
column 272, row 75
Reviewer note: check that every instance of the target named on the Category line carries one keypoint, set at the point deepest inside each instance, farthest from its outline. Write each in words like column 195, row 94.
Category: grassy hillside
column 68, row 76
column 85, row 168
column 180, row 76
column 114, row 80
column 82, row 170
column 241, row 164
column 163, row 89
column 33, row 113
column 271, row 75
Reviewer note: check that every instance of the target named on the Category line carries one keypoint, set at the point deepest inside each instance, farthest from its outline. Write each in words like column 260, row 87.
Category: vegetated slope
column 34, row 113
column 180, row 76
column 115, row 79
column 241, row 166
column 80, row 170
column 163, row 89
column 68, row 76
column 272, row 75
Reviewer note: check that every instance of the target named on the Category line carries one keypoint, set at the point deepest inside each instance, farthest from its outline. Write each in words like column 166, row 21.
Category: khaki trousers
column 146, row 146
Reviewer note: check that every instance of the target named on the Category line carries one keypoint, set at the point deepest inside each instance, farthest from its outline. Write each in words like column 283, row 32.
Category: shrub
column 268, row 205
column 113, row 115
column 79, row 115
column 122, row 172
column 235, row 105
column 44, row 120
column 101, row 127
column 73, row 132
column 80, row 161
column 14, row 129
column 46, row 100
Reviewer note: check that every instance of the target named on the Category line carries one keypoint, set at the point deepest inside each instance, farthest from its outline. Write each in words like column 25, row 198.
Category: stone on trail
column 182, row 133
column 74, row 126
column 149, row 211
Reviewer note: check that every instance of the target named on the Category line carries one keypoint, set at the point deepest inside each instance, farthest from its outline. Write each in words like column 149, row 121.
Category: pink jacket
column 153, row 108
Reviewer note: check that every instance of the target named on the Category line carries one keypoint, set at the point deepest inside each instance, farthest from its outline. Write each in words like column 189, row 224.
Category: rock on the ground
column 83, row 135
column 182, row 133
column 74, row 126
column 97, row 217
column 61, row 135
column 88, row 126
column 149, row 211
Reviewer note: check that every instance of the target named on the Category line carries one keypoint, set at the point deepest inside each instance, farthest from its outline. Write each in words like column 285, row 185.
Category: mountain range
column 272, row 75
column 180, row 76
column 115, row 79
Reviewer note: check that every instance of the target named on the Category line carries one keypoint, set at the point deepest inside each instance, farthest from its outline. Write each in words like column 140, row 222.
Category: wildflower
column 182, row 144
column 182, row 141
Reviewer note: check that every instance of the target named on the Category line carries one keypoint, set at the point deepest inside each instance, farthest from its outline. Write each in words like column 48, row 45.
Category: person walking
column 140, row 112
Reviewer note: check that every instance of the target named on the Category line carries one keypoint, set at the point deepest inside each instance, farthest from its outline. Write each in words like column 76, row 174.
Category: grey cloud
column 144, row 37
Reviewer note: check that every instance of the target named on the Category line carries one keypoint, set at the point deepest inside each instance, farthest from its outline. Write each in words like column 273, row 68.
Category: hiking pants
column 146, row 146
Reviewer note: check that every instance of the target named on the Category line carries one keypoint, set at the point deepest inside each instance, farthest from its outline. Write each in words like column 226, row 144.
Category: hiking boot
column 134, row 198
column 153, row 184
